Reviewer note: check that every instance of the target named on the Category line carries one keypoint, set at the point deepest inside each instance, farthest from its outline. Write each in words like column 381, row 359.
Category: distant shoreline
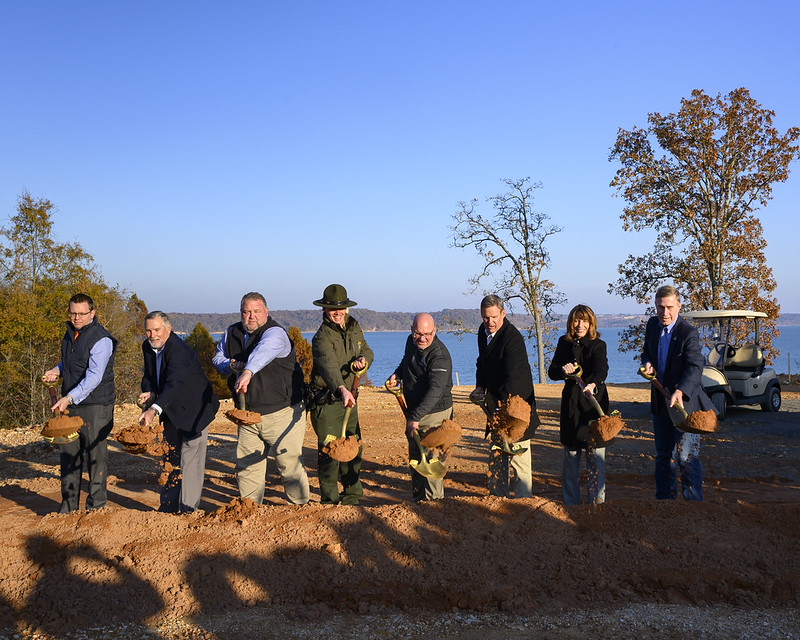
column 308, row 320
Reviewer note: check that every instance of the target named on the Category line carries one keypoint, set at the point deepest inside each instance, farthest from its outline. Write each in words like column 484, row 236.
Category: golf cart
column 734, row 374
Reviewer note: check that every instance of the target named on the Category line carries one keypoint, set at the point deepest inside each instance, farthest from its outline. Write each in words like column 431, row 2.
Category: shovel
column 430, row 468
column 584, row 433
column 506, row 448
column 240, row 415
column 685, row 422
column 336, row 447
column 62, row 429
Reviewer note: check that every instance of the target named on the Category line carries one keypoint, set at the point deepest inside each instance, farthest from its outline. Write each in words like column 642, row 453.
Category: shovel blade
column 433, row 469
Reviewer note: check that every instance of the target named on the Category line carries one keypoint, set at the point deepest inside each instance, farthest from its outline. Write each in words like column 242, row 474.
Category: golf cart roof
column 718, row 314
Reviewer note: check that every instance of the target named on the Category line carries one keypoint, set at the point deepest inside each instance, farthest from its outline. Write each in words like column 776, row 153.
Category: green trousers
column 327, row 420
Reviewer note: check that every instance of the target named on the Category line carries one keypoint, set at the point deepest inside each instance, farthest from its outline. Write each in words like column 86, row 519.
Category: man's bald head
column 423, row 330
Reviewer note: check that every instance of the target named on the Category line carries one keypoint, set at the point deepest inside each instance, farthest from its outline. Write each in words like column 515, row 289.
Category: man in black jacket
column 427, row 374
column 87, row 369
column 672, row 352
column 502, row 371
column 178, row 391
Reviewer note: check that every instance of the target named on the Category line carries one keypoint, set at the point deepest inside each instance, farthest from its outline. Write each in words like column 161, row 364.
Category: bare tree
column 512, row 243
column 718, row 159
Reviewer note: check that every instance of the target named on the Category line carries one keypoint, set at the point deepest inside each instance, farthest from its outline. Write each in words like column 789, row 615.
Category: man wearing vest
column 87, row 388
column 259, row 360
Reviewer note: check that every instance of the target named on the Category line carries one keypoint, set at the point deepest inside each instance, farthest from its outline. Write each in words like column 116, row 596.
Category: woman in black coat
column 581, row 346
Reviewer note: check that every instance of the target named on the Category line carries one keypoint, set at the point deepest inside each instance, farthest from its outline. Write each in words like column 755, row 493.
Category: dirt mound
column 60, row 426
column 242, row 416
column 701, row 422
column 237, row 510
column 334, row 569
column 444, row 436
column 343, row 449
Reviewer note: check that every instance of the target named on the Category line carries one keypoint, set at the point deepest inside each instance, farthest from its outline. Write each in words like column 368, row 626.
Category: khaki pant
column 279, row 435
column 500, row 464
column 423, row 488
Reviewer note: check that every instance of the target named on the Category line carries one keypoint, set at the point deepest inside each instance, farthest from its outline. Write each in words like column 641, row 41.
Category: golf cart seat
column 747, row 360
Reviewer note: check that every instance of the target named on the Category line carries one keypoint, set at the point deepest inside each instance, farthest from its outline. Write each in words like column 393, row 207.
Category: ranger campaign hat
column 334, row 297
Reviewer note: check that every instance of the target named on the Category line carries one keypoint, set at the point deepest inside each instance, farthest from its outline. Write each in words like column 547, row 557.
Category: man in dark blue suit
column 178, row 391
column 672, row 352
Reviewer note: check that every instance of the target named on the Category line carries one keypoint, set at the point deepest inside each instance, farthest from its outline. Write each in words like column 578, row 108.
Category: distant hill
column 308, row 320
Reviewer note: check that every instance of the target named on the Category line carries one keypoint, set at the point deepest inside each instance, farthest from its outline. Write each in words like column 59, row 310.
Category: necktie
column 158, row 367
column 663, row 348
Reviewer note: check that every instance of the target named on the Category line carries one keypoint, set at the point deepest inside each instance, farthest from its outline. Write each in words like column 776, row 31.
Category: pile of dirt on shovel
column 512, row 418
column 62, row 425
column 343, row 449
column 242, row 416
column 140, row 439
column 444, row 436
column 606, row 428
column 701, row 422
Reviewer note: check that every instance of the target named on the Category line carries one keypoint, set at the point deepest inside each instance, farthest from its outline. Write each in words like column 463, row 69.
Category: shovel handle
column 397, row 392
column 356, row 378
column 51, row 387
column 576, row 376
column 240, row 402
column 481, row 404
column 347, row 413
column 662, row 390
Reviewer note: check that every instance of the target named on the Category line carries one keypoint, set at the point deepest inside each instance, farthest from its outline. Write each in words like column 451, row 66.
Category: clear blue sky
column 199, row 150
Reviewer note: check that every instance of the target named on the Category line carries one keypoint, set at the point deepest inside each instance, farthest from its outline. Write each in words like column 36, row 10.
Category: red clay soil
column 470, row 553
column 137, row 438
column 63, row 425
column 701, row 422
column 512, row 418
column 605, row 428
column 442, row 437
column 243, row 416
column 343, row 449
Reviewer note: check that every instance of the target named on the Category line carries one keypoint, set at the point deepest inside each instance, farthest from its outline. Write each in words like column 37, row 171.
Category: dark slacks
column 676, row 451
column 327, row 419
column 91, row 447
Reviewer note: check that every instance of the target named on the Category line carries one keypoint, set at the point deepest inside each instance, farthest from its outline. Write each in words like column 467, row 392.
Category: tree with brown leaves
column 715, row 163
column 302, row 352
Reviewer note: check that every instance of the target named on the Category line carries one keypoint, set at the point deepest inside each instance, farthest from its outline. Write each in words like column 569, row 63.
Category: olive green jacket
column 333, row 349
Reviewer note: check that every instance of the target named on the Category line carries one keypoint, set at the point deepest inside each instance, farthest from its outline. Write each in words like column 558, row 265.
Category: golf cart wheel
column 773, row 402
column 720, row 404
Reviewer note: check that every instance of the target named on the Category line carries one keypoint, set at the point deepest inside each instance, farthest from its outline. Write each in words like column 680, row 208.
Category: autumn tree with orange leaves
column 697, row 178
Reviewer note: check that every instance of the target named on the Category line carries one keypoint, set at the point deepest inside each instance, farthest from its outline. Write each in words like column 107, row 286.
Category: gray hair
column 492, row 300
column 666, row 291
column 254, row 296
column 159, row 314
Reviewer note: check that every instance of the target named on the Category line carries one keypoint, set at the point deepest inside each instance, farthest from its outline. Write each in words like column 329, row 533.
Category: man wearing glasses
column 87, row 388
column 427, row 374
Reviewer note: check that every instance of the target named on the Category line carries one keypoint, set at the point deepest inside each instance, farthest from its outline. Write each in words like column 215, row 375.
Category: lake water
column 622, row 367
column 388, row 347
